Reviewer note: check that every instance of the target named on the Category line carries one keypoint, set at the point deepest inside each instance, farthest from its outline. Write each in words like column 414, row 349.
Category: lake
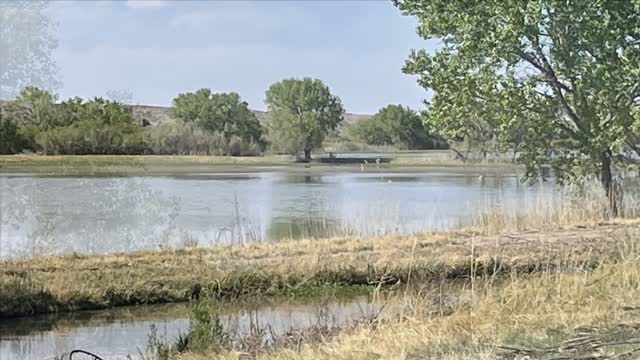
column 42, row 214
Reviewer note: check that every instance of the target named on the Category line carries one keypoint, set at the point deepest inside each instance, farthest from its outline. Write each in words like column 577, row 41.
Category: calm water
column 115, row 334
column 46, row 214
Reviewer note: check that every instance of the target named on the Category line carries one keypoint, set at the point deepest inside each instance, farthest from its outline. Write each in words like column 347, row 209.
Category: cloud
column 145, row 4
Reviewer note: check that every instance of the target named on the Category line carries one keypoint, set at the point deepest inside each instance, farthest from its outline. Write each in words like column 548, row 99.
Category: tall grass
column 547, row 316
column 584, row 202
column 572, row 314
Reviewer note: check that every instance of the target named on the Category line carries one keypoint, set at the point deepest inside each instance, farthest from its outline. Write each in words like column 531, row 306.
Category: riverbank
column 164, row 165
column 576, row 315
column 300, row 267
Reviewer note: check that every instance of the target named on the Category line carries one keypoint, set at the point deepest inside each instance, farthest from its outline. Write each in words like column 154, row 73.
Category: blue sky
column 157, row 49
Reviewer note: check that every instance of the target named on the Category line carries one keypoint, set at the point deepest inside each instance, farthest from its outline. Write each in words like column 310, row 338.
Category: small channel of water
column 123, row 332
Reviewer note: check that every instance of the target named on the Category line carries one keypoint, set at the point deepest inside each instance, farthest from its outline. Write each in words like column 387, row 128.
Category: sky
column 157, row 49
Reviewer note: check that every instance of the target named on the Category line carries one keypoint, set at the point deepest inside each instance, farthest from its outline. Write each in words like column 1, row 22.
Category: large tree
column 570, row 70
column 303, row 111
column 395, row 125
column 27, row 43
column 223, row 113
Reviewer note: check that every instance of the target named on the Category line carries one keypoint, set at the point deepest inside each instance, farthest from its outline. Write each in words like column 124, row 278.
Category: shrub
column 396, row 125
column 183, row 138
column 11, row 140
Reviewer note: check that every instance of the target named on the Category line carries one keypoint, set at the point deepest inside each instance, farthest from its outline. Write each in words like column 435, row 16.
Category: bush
column 11, row 140
column 398, row 126
column 84, row 139
column 93, row 127
column 183, row 138
column 214, row 124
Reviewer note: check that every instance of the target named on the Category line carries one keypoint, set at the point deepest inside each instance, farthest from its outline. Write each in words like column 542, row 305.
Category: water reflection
column 292, row 228
column 117, row 333
column 84, row 214
column 40, row 214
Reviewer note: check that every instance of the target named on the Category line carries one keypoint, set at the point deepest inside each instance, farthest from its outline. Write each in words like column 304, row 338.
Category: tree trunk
column 606, row 178
column 307, row 154
column 514, row 157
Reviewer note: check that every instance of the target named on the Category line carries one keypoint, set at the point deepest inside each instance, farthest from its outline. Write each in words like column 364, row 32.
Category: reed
column 585, row 203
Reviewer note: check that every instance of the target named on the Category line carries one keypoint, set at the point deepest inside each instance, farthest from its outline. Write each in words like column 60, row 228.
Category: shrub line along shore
column 79, row 282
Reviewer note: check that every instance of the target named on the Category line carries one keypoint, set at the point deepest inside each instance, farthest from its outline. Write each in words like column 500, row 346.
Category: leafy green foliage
column 223, row 113
column 559, row 77
column 33, row 106
column 11, row 141
column 74, row 126
column 396, row 125
column 96, row 126
column 36, row 122
column 303, row 111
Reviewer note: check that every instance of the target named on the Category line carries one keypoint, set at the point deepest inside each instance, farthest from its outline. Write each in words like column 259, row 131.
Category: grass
column 574, row 295
column 294, row 268
column 559, row 281
column 548, row 315
column 166, row 164
column 116, row 163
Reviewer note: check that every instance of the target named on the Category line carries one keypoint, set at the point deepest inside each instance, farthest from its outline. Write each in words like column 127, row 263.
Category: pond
column 42, row 214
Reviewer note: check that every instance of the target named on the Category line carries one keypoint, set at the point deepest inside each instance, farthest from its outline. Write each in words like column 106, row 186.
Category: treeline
column 302, row 111
column 204, row 124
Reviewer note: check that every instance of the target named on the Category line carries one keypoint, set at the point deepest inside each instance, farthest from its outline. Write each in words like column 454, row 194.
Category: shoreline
column 161, row 165
column 296, row 268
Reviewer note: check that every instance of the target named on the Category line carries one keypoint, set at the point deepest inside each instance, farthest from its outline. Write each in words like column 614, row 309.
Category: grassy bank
column 548, row 315
column 130, row 163
column 161, row 164
column 298, row 268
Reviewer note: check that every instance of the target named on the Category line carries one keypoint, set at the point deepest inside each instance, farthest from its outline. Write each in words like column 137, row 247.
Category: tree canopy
column 396, row 125
column 568, row 70
column 74, row 126
column 303, row 111
column 223, row 113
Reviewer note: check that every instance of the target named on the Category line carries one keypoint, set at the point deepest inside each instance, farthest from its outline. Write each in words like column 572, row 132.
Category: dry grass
column 585, row 315
column 75, row 282
column 586, row 203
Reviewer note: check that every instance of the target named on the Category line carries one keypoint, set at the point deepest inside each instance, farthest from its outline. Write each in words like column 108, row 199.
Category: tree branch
column 548, row 73
column 558, row 87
